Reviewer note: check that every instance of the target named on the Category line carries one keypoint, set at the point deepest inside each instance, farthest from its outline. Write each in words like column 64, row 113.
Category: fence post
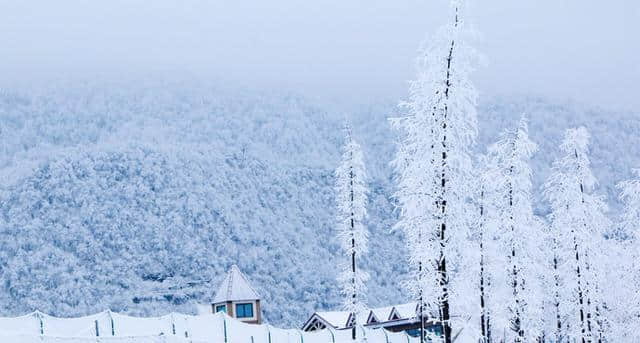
column 113, row 328
column 386, row 336
column 97, row 330
column 301, row 336
column 268, row 333
column 39, row 317
column 333, row 337
column 186, row 327
column 224, row 325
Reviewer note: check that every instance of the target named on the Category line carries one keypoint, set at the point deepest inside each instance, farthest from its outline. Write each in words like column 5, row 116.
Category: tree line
column 482, row 263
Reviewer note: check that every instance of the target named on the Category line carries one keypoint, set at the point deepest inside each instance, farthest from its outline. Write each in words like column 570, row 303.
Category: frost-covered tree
column 630, row 195
column 630, row 224
column 484, row 280
column 351, row 200
column 556, row 330
column 131, row 166
column 579, row 222
column 509, row 184
column 434, row 170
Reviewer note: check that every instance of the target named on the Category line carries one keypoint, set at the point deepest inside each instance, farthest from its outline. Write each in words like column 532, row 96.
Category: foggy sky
column 352, row 51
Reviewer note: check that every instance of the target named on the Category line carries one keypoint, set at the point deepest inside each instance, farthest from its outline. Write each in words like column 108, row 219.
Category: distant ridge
column 137, row 199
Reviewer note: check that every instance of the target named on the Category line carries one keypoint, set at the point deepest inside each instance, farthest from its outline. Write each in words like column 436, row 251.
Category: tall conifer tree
column 579, row 222
column 351, row 200
column 509, row 189
column 630, row 224
column 434, row 170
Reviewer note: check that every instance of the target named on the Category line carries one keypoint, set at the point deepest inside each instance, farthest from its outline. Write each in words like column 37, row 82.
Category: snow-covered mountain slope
column 138, row 198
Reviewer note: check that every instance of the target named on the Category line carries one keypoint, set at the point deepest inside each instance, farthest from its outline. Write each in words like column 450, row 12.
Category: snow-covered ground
column 175, row 327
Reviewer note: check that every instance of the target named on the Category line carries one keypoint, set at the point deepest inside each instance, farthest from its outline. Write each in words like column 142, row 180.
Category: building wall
column 257, row 313
column 231, row 309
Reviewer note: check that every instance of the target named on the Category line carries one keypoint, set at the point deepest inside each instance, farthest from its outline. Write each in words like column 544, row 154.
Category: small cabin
column 237, row 298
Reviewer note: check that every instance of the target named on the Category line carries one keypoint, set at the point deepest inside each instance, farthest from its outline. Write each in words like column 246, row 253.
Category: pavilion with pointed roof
column 237, row 298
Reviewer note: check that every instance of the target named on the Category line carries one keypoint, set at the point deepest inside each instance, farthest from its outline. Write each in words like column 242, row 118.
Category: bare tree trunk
column 588, row 294
column 597, row 319
column 445, row 315
column 600, row 322
column 516, row 321
column 353, row 269
column 484, row 311
column 585, row 314
column 556, row 278
column 421, row 301
column 353, row 252
column 422, row 336
column 580, row 290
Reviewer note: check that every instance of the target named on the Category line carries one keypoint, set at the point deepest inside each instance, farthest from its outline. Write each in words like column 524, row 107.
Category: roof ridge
column 230, row 283
column 234, row 287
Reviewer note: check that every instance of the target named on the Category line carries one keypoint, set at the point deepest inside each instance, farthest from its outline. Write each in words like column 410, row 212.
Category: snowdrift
column 108, row 326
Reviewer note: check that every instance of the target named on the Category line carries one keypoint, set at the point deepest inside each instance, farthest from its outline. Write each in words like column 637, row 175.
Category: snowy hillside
column 138, row 198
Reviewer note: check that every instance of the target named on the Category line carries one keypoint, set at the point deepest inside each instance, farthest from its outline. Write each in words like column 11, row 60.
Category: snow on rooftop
column 335, row 318
column 382, row 313
column 339, row 319
column 407, row 310
column 235, row 287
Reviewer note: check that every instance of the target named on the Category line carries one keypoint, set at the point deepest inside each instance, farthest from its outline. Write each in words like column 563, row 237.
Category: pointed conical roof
column 235, row 287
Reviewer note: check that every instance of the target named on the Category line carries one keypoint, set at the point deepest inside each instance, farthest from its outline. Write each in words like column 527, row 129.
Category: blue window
column 413, row 332
column 433, row 329
column 244, row 310
column 221, row 308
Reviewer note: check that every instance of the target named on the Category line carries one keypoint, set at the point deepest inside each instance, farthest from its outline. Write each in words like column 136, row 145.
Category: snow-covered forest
column 505, row 218
column 236, row 164
column 480, row 261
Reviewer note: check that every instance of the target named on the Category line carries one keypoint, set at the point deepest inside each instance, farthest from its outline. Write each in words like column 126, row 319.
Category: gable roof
column 394, row 314
column 311, row 322
column 235, row 287
column 341, row 319
column 372, row 317
column 382, row 313
column 337, row 319
column 409, row 310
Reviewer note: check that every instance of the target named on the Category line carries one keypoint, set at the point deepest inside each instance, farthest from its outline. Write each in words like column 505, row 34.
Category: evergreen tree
column 630, row 224
column 483, row 237
column 351, row 199
column 510, row 191
column 579, row 222
column 485, row 279
column 558, row 332
column 434, row 171
column 630, row 195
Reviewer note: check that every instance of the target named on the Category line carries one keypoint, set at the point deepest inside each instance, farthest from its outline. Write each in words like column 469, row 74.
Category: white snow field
column 108, row 326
